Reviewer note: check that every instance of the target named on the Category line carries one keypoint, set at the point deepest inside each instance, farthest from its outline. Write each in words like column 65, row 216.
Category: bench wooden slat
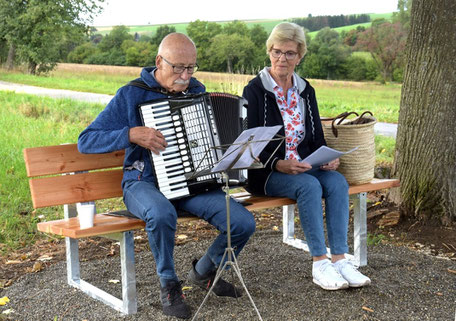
column 255, row 202
column 374, row 185
column 102, row 224
column 50, row 160
column 68, row 189
column 260, row 202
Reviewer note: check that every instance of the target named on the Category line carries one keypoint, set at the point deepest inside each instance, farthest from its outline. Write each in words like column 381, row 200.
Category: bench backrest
column 48, row 187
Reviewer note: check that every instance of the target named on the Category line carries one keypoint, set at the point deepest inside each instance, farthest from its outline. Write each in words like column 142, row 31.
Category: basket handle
column 341, row 117
column 360, row 118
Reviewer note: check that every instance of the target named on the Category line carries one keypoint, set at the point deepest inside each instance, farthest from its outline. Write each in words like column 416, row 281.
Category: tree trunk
column 426, row 140
column 228, row 65
column 11, row 55
column 32, row 67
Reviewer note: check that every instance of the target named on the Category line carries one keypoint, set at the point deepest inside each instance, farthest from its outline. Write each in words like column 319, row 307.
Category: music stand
column 242, row 154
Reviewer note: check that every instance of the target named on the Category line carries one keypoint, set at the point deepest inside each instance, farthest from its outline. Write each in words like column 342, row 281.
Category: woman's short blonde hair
column 287, row 31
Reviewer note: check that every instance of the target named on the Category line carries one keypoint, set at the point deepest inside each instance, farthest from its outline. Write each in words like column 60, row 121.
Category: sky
column 142, row 12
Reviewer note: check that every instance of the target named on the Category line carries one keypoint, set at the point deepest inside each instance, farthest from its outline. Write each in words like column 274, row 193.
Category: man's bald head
column 175, row 42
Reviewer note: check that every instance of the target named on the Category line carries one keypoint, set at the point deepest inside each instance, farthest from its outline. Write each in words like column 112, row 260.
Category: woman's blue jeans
column 145, row 201
column 307, row 189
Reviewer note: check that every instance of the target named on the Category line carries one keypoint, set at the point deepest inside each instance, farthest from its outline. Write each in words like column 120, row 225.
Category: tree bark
column 228, row 65
column 32, row 67
column 11, row 55
column 426, row 141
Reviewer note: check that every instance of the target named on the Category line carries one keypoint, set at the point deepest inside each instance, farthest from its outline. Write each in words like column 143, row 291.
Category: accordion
column 192, row 126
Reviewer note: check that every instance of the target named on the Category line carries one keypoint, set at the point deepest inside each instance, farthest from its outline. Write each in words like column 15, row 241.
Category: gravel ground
column 406, row 285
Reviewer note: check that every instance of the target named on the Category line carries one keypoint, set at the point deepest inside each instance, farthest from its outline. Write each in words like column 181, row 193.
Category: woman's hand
column 331, row 166
column 292, row 166
column 149, row 138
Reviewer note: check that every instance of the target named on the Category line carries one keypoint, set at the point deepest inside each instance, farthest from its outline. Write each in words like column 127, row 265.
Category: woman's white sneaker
column 349, row 272
column 326, row 276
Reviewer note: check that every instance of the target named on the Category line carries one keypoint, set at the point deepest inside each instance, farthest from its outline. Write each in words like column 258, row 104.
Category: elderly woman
column 278, row 96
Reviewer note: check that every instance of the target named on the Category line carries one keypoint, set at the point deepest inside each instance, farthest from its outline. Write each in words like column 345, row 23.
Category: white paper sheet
column 324, row 155
column 257, row 138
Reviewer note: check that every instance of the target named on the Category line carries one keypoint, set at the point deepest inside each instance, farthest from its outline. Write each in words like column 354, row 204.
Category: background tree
column 3, row 50
column 403, row 14
column 325, row 57
column 109, row 50
column 34, row 29
column 351, row 37
column 236, row 26
column 426, row 140
column 81, row 53
column 232, row 51
column 202, row 33
column 161, row 33
column 115, row 38
column 139, row 53
column 259, row 57
column 386, row 44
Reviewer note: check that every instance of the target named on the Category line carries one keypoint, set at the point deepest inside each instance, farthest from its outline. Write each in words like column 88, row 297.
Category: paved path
column 385, row 129
column 55, row 93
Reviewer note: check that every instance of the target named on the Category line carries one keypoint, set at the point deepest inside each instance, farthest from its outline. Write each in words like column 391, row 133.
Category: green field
column 334, row 97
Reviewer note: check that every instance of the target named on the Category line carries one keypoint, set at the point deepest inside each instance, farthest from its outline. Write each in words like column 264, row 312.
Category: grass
column 86, row 78
column 384, row 149
column 375, row 239
column 334, row 97
column 28, row 121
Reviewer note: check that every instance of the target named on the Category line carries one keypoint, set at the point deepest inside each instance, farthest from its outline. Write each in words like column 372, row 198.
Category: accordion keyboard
column 190, row 132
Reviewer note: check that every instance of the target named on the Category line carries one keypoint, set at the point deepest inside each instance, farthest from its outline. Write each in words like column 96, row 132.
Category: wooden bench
column 52, row 183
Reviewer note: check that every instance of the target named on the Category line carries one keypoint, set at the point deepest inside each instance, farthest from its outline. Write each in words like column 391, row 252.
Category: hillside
column 149, row 30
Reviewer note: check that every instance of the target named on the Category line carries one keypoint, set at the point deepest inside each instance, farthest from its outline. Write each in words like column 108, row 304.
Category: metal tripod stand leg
column 231, row 260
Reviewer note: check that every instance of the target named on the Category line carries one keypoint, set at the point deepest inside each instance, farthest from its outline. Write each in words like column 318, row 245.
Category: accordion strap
column 141, row 84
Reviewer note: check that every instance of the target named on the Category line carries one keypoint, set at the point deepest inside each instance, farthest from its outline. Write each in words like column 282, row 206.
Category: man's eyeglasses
column 289, row 55
column 180, row 69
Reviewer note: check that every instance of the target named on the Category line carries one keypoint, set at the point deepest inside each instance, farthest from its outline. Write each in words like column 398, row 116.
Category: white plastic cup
column 86, row 213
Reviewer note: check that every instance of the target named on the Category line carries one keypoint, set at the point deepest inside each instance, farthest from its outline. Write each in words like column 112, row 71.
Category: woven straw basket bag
column 345, row 134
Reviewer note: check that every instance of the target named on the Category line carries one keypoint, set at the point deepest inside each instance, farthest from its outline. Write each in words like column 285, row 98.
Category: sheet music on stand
column 254, row 140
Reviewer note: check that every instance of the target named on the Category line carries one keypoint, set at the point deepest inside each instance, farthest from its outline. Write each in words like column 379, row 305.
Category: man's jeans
column 307, row 189
column 145, row 201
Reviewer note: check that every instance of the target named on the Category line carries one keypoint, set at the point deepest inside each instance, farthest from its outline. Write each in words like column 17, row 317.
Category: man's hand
column 292, row 166
column 149, row 138
column 331, row 166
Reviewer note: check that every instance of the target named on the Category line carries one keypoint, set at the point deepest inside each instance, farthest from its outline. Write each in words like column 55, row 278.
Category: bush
column 398, row 74
column 80, row 54
column 372, row 72
column 356, row 68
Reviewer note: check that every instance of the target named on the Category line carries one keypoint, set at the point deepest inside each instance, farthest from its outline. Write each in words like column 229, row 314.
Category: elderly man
column 119, row 126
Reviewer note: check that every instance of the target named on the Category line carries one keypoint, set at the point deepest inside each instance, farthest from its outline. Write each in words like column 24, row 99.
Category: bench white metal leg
column 360, row 230
column 128, row 304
